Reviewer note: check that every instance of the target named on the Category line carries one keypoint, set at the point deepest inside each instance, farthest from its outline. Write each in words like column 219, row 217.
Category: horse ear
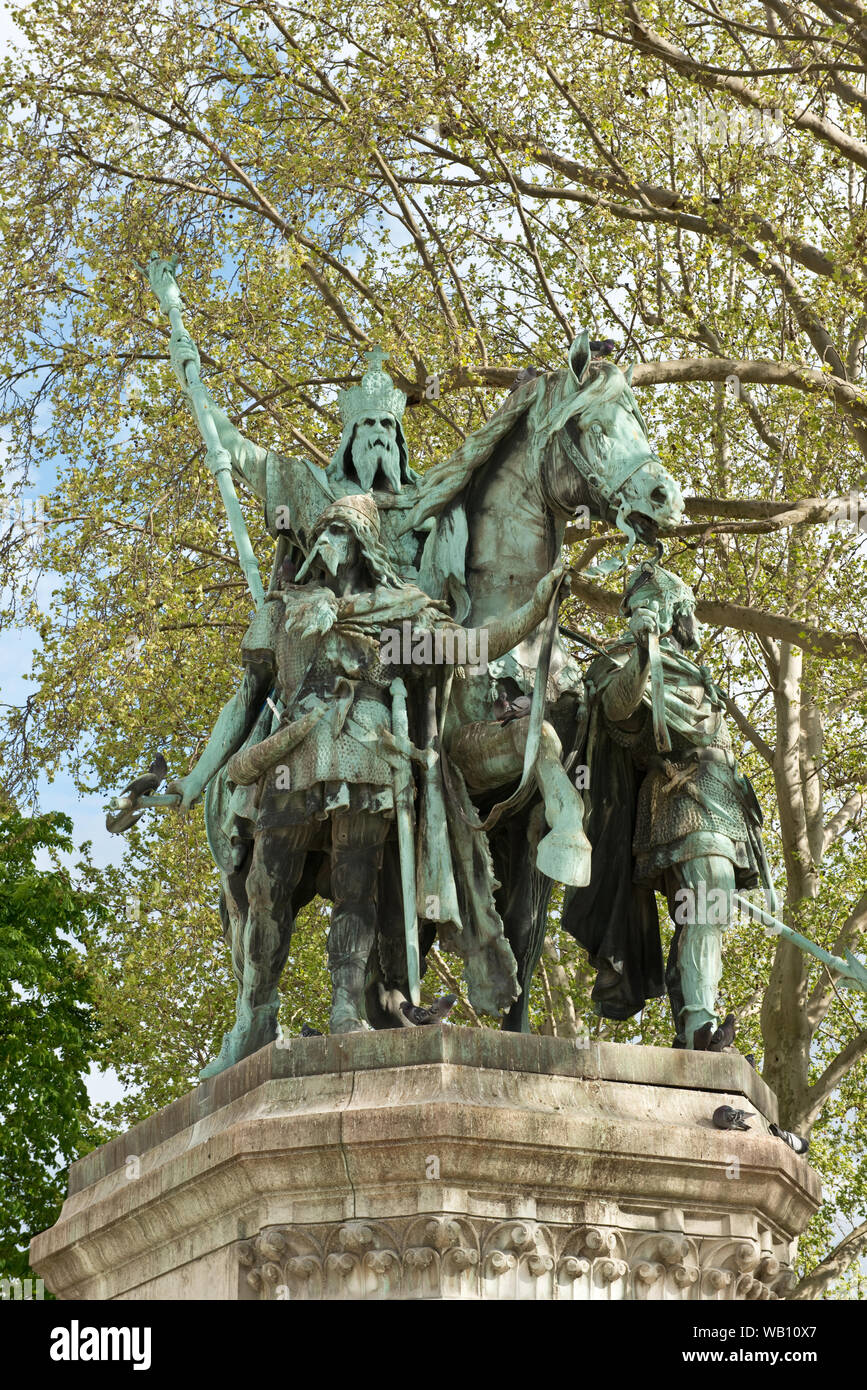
column 579, row 355
column 628, row 374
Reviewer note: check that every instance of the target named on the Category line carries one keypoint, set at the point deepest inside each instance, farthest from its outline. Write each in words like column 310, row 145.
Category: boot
column 348, row 973
column 252, row 1030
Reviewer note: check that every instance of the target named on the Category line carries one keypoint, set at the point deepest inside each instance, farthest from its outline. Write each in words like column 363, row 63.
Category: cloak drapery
column 614, row 919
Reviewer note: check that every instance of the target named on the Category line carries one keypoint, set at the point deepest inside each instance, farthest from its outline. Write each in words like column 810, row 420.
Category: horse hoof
column 349, row 1025
column 565, row 857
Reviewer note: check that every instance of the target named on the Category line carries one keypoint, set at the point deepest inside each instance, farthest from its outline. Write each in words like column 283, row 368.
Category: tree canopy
column 47, row 1028
column 464, row 184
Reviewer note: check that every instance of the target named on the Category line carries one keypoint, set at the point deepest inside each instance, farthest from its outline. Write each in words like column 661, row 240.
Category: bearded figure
column 669, row 812
column 371, row 458
column 371, row 461
column 372, row 455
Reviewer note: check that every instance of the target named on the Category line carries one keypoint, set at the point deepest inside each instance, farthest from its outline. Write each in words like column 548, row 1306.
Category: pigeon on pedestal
column 724, row 1035
column 420, row 1016
column 727, row 1117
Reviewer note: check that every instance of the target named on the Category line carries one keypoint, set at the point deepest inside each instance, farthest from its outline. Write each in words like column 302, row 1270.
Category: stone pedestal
column 441, row 1163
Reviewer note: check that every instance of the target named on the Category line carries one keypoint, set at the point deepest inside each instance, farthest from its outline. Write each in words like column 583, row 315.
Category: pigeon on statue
column 727, row 1117
column 308, row 1032
column 511, row 703
column 420, row 1016
column 724, row 1035
column 524, row 375
column 150, row 780
column 603, row 348
column 794, row 1141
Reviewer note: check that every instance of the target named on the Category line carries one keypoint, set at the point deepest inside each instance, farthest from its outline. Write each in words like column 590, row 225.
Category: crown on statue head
column 376, row 394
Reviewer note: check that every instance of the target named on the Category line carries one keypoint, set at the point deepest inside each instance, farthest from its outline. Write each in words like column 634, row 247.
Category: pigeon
column 701, row 1037
column 288, row 571
column 308, row 1032
column 603, row 348
column 150, row 780
column 435, row 1014
column 506, row 710
column 524, row 375
column 794, row 1141
column 726, row 1117
column 724, row 1035
column 511, row 703
column 750, row 1057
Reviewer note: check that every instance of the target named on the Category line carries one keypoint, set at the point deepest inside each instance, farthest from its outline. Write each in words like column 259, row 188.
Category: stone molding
column 463, row 1258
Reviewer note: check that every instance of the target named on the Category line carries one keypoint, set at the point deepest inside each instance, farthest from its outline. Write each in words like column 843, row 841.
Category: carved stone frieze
column 430, row 1257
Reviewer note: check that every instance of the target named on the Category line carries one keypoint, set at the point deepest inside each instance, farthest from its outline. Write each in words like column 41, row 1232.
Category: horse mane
column 592, row 401
column 605, row 386
column 542, row 404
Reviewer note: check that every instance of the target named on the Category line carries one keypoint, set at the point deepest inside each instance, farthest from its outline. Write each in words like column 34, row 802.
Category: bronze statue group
column 421, row 803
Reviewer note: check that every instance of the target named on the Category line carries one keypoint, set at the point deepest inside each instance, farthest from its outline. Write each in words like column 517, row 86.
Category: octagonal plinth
column 441, row 1163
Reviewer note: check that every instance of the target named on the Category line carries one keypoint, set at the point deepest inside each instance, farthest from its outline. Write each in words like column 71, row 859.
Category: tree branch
column 830, row 1079
column 848, row 812
column 829, row 1270
column 771, row 625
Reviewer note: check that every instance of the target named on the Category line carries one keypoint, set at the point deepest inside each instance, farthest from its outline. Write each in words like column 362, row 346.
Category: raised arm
column 248, row 460
column 624, row 692
column 506, row 633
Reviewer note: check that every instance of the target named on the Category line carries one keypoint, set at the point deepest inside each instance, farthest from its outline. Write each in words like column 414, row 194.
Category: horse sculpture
column 565, row 443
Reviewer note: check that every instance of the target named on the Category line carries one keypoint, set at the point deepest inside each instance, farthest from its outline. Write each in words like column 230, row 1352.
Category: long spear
column 853, row 973
column 403, row 808
column 187, row 363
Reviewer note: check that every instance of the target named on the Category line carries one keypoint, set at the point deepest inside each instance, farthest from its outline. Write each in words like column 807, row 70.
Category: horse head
column 591, row 409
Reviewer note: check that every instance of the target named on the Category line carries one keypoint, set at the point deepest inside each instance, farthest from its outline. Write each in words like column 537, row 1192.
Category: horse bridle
column 608, row 490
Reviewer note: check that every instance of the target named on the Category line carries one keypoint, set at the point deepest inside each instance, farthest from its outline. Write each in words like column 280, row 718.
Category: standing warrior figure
column 683, row 821
column 322, row 783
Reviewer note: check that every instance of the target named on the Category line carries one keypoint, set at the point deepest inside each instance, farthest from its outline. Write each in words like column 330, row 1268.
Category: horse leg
column 522, row 902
